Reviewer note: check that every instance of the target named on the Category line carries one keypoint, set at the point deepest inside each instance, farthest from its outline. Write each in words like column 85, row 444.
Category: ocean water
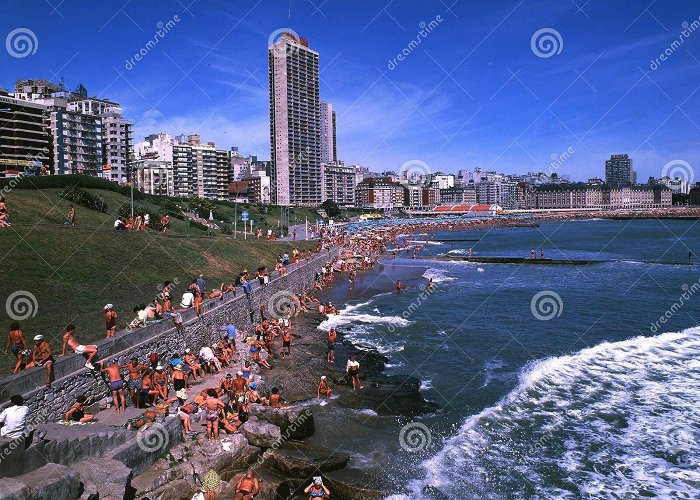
column 552, row 381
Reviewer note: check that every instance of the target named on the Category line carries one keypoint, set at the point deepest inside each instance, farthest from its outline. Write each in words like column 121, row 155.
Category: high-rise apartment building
column 77, row 143
column 25, row 139
column 328, row 147
column 619, row 171
column 295, row 122
column 116, row 135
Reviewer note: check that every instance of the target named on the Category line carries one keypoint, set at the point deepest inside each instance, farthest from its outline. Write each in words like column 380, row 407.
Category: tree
column 331, row 208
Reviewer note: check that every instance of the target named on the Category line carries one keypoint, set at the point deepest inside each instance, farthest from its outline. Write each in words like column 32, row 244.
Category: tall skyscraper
column 619, row 171
column 328, row 150
column 295, row 123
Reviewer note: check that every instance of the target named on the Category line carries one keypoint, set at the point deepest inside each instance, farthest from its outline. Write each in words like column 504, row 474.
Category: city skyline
column 513, row 115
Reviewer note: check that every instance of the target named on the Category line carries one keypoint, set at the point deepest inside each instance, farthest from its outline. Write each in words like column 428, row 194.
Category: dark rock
column 303, row 461
column 294, row 422
column 13, row 489
column 354, row 483
column 180, row 489
column 103, row 476
column 263, row 434
column 52, row 481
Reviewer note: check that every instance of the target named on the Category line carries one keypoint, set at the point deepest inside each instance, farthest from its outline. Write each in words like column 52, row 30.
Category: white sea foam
column 426, row 242
column 350, row 314
column 480, row 269
column 425, row 385
column 438, row 275
column 620, row 417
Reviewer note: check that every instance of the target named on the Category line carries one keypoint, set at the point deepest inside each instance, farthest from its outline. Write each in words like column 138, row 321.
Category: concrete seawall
column 72, row 379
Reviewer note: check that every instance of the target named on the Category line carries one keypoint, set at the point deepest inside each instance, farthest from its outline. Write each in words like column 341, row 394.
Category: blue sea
column 552, row 381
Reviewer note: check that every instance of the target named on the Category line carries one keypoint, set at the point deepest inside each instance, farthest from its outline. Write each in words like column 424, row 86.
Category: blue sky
column 472, row 93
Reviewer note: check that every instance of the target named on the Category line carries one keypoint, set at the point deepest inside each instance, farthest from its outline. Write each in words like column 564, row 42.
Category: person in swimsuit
column 286, row 343
column 77, row 412
column 332, row 336
column 148, row 394
column 110, row 320
column 211, row 406
column 226, row 385
column 4, row 214
column 160, row 382
column 136, row 371
column 240, row 386
column 116, row 384
column 275, row 398
column 71, row 215
column 179, row 378
column 323, row 388
column 16, row 344
column 42, row 356
column 247, row 486
column 245, row 369
column 353, row 370
column 317, row 489
column 70, row 341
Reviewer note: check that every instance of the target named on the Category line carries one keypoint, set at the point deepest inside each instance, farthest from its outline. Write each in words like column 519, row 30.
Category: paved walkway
column 110, row 417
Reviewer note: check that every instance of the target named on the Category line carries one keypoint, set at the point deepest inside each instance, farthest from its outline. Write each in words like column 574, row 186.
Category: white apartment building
column 295, row 122
column 328, row 146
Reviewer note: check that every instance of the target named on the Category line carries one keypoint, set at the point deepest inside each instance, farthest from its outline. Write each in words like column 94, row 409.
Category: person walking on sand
column 110, row 320
column 71, row 215
column 116, row 385
column 70, row 341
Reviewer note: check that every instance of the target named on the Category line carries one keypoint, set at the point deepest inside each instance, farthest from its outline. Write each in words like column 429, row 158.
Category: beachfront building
column 258, row 187
column 619, row 171
column 676, row 184
column 154, row 177
column 77, row 143
column 379, row 192
column 295, row 122
column 458, row 195
column 116, row 134
column 25, row 140
column 579, row 196
column 338, row 183
column 329, row 153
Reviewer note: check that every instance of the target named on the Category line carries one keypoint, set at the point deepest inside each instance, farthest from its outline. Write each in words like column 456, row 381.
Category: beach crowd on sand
column 226, row 373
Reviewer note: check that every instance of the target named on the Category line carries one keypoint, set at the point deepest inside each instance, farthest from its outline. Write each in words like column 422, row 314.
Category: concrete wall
column 72, row 379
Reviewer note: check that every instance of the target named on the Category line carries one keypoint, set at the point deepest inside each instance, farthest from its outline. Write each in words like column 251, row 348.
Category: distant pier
column 543, row 262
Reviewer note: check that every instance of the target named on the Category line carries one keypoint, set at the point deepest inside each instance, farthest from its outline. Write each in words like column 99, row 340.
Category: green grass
column 74, row 271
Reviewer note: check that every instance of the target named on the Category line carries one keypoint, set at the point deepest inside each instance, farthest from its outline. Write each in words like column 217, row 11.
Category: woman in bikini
column 317, row 489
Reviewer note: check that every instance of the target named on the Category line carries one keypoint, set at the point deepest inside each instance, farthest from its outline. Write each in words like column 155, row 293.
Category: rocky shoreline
column 274, row 442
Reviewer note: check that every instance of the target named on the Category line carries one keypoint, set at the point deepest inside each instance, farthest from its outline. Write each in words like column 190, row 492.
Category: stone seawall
column 72, row 379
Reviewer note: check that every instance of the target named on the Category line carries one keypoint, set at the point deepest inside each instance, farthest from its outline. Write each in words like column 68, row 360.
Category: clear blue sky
column 472, row 93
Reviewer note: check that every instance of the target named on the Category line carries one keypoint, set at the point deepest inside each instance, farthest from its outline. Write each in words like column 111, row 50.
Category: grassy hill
column 74, row 271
